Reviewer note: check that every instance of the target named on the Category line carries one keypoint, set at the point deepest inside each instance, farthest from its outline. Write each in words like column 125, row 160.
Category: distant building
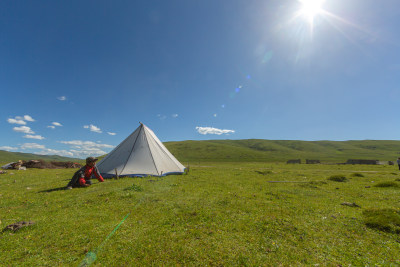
column 294, row 161
column 313, row 161
column 363, row 161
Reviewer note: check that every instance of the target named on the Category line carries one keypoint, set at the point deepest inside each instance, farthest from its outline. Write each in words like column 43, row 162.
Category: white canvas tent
column 140, row 154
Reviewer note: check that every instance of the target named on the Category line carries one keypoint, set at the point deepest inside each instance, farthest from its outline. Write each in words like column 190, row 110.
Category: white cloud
column 93, row 128
column 88, row 144
column 8, row 148
column 49, row 151
column 83, row 153
column 84, row 149
column 51, row 126
column 20, row 120
column 23, row 129
column 46, row 151
column 28, row 118
column 16, row 121
column 56, row 124
column 174, row 115
column 62, row 98
column 32, row 146
column 110, row 133
column 39, row 137
column 161, row 117
column 211, row 130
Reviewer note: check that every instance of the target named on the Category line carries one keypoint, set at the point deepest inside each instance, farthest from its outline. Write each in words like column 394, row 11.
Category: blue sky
column 76, row 77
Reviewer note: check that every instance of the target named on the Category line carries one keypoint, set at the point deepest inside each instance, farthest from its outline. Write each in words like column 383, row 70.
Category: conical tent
column 140, row 154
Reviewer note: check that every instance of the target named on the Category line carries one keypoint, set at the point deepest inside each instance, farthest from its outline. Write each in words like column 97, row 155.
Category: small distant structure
column 294, row 161
column 391, row 162
column 363, row 161
column 313, row 161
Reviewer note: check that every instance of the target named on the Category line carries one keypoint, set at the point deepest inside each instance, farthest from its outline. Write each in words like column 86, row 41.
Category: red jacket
column 87, row 173
column 84, row 174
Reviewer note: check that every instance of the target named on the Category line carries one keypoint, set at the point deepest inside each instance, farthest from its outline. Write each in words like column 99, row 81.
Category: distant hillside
column 6, row 156
column 282, row 150
column 259, row 150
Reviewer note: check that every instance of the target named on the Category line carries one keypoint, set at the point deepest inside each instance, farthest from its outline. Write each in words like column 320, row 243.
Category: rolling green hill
column 6, row 156
column 258, row 150
column 281, row 150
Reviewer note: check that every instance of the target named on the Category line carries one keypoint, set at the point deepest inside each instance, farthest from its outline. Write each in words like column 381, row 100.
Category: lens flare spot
column 267, row 57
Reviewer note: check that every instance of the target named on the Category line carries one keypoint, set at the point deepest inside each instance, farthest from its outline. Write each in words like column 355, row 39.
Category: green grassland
column 6, row 156
column 252, row 150
column 257, row 150
column 219, row 214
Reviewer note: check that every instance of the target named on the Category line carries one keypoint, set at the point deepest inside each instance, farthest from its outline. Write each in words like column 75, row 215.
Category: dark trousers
column 75, row 181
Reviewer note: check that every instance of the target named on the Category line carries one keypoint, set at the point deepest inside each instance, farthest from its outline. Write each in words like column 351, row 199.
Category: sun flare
column 310, row 8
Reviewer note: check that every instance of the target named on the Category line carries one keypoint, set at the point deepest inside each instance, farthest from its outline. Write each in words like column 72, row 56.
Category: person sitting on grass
column 82, row 177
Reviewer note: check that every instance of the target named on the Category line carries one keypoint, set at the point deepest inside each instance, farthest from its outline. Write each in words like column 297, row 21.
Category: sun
column 310, row 8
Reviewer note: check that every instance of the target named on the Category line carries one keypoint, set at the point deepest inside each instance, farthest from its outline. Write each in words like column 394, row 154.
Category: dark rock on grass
column 338, row 178
column 264, row 172
column 357, row 174
column 387, row 184
column 16, row 226
column 350, row 204
column 386, row 220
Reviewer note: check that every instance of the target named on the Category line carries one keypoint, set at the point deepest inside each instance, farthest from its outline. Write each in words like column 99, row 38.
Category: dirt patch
column 16, row 226
column 41, row 164
column 349, row 204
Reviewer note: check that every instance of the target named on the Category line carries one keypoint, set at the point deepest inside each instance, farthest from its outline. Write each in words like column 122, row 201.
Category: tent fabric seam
column 134, row 143
column 151, row 153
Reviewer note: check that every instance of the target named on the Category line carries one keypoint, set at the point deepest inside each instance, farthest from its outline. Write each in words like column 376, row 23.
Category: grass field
column 231, row 214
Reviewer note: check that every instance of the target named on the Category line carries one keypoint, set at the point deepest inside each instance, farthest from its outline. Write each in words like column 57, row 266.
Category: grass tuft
column 386, row 220
column 357, row 174
column 134, row 187
column 338, row 178
column 263, row 172
column 387, row 184
column 398, row 179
